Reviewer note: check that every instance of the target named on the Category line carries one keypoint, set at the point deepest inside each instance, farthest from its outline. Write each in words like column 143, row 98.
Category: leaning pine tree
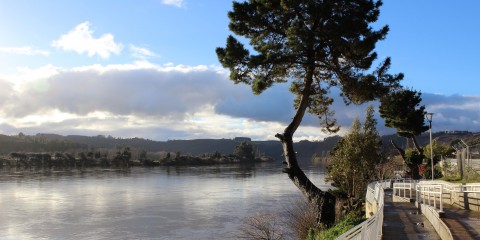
column 313, row 45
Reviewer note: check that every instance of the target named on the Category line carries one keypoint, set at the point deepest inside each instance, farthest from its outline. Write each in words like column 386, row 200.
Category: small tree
column 216, row 155
column 245, row 151
column 123, row 157
column 402, row 111
column 355, row 156
column 439, row 150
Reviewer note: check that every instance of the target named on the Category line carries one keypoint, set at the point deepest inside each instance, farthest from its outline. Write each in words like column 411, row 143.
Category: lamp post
column 429, row 118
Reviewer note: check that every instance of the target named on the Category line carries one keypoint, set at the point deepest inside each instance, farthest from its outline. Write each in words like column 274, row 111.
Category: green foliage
column 402, row 111
column 427, row 173
column 412, row 156
column 439, row 150
column 351, row 220
column 354, row 157
column 245, row 151
column 318, row 44
column 216, row 155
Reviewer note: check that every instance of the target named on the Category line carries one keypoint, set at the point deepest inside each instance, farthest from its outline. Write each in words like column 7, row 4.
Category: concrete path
column 463, row 224
column 403, row 221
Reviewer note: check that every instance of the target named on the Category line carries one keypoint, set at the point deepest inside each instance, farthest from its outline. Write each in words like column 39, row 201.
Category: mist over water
column 157, row 203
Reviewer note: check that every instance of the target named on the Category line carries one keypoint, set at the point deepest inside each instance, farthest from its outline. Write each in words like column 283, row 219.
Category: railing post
column 429, row 193
column 422, row 194
column 441, row 198
column 410, row 189
column 417, row 188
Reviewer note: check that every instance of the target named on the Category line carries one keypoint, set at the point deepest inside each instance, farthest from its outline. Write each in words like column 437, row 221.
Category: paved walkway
column 463, row 224
column 403, row 221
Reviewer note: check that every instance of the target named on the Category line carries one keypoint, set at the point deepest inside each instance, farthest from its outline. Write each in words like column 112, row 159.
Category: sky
column 149, row 69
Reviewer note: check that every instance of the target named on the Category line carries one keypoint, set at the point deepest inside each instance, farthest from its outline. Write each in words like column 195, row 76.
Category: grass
column 469, row 176
column 351, row 220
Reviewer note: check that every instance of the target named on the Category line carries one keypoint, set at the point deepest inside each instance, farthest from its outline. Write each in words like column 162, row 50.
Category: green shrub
column 351, row 220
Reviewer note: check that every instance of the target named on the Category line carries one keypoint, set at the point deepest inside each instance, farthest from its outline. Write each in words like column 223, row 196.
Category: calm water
column 158, row 203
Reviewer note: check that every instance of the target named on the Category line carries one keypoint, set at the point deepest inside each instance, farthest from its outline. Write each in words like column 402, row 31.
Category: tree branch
column 415, row 143
column 400, row 150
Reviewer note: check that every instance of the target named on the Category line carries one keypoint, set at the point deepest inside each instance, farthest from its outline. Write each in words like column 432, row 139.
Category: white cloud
column 142, row 99
column 139, row 88
column 141, row 53
column 81, row 40
column 176, row 3
column 25, row 50
column 137, row 99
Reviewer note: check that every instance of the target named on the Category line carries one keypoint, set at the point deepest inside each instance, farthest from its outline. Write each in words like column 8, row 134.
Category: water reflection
column 236, row 171
column 157, row 203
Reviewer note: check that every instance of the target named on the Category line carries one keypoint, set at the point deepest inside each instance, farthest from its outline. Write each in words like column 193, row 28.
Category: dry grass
column 298, row 217
column 301, row 217
column 261, row 226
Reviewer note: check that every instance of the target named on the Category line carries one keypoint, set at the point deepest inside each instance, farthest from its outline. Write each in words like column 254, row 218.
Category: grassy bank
column 349, row 221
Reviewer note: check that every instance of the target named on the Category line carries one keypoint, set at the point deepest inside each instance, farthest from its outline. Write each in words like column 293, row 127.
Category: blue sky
column 149, row 69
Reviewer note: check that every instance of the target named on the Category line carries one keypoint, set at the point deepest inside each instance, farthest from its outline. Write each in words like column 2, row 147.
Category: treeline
column 126, row 157
column 73, row 143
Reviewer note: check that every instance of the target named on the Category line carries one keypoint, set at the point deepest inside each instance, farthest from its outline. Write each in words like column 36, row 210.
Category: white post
column 429, row 193
column 441, row 198
column 410, row 196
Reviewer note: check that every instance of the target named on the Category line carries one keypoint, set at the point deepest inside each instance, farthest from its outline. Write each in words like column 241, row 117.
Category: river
column 143, row 203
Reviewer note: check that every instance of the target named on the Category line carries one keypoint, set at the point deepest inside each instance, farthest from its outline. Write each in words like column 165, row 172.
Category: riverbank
column 122, row 160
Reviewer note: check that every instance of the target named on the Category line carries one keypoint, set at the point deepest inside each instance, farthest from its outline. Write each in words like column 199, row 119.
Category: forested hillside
column 72, row 143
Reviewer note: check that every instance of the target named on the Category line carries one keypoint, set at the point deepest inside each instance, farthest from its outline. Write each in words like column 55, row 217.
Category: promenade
column 403, row 220
column 463, row 224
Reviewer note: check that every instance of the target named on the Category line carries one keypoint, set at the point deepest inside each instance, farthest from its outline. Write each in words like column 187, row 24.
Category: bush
column 261, row 226
column 301, row 216
column 351, row 220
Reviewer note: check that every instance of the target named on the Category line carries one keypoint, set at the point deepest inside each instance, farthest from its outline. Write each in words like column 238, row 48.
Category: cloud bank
column 169, row 101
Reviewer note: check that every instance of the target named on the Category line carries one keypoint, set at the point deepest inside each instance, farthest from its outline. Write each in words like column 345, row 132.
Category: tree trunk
column 419, row 149
column 414, row 170
column 323, row 201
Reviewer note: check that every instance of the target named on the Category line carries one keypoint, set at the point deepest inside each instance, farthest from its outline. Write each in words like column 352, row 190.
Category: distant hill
column 444, row 137
column 305, row 149
column 53, row 143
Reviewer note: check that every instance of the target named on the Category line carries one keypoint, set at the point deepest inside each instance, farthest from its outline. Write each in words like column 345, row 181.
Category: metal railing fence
column 431, row 195
column 372, row 227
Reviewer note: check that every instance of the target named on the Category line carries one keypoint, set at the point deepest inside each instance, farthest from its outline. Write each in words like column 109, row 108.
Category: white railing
column 431, row 195
column 470, row 188
column 370, row 196
column 401, row 188
column 372, row 227
column 449, row 188
column 458, row 188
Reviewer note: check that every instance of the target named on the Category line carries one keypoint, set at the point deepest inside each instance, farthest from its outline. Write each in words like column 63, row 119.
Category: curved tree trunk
column 414, row 169
column 323, row 201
